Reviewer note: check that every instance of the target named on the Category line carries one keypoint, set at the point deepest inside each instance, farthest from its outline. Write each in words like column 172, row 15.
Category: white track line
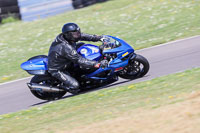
column 15, row 80
column 136, row 50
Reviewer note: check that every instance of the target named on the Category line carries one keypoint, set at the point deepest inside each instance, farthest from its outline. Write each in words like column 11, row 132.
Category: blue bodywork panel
column 35, row 64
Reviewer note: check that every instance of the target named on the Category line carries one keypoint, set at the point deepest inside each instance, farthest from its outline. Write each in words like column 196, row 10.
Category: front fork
column 132, row 56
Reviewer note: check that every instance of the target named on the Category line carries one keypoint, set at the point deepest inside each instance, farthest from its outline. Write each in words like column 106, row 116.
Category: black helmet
column 71, row 32
column 70, row 27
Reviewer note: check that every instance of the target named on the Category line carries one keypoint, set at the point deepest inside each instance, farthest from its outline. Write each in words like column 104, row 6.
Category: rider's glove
column 97, row 65
column 104, row 38
column 103, row 64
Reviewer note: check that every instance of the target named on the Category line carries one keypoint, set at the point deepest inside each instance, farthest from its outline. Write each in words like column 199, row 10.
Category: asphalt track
column 164, row 59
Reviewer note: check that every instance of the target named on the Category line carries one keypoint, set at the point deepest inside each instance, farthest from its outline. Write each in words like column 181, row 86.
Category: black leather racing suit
column 62, row 54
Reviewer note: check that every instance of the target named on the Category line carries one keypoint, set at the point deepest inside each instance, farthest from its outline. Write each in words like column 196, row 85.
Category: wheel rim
column 134, row 68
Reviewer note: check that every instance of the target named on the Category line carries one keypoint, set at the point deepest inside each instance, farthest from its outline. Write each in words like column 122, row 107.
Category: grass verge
column 132, row 20
column 105, row 105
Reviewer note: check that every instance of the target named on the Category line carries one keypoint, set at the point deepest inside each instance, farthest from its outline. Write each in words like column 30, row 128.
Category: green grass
column 142, row 23
column 10, row 19
column 102, row 105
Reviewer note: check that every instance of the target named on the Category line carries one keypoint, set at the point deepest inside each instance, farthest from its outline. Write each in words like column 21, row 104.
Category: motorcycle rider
column 63, row 52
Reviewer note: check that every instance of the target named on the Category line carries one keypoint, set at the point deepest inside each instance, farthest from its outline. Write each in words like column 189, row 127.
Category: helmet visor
column 73, row 36
column 76, row 34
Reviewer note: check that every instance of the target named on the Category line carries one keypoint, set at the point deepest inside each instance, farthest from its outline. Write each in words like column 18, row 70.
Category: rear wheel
column 77, row 4
column 10, row 9
column 45, row 80
column 137, row 67
column 7, row 3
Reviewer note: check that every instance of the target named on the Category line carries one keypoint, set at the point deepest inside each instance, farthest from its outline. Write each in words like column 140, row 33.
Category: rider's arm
column 88, row 37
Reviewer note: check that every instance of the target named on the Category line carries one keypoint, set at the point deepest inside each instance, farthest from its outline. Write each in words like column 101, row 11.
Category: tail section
column 36, row 65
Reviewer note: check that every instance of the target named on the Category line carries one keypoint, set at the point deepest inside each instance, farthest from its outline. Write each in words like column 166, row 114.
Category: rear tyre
column 10, row 9
column 101, row 0
column 6, row 3
column 137, row 67
column 45, row 80
column 77, row 4
column 88, row 3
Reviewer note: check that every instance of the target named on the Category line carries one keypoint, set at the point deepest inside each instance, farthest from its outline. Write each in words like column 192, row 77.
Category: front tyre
column 137, row 67
column 45, row 80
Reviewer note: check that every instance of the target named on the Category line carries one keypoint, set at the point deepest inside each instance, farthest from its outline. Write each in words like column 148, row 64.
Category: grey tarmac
column 164, row 59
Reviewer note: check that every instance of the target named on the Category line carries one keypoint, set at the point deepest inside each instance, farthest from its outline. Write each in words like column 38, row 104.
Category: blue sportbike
column 123, row 62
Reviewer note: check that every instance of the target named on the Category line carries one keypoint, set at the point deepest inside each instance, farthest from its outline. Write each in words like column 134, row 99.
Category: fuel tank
column 89, row 51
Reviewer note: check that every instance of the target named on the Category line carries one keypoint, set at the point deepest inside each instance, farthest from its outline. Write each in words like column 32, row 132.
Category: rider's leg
column 71, row 84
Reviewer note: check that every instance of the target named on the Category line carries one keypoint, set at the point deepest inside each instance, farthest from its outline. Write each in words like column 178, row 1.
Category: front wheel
column 46, row 80
column 137, row 67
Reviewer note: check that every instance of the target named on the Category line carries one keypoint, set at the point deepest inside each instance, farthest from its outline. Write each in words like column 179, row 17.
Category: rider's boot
column 71, row 90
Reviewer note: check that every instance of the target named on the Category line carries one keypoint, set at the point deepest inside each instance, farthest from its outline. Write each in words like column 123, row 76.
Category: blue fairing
column 124, row 47
column 123, row 50
column 35, row 64
column 90, row 52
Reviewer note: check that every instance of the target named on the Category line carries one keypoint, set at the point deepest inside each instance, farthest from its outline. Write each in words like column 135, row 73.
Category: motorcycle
column 122, row 60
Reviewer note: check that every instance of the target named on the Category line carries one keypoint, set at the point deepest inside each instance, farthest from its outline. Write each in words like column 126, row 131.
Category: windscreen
column 111, row 43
